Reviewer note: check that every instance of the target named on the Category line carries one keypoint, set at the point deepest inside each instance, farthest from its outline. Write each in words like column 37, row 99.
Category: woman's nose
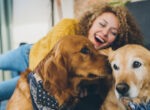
column 105, row 32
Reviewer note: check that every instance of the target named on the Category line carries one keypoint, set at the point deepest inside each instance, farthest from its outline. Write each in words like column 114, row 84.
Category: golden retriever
column 71, row 61
column 131, row 72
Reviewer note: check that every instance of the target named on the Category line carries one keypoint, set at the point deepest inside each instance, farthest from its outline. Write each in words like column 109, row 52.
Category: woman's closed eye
column 102, row 24
column 114, row 33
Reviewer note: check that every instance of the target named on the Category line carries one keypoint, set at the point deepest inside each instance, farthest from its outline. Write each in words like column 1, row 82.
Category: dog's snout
column 122, row 88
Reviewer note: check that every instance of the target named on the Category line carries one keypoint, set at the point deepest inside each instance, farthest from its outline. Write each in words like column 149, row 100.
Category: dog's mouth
column 87, row 87
column 124, row 96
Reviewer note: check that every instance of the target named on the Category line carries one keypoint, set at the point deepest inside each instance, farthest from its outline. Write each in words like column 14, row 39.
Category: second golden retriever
column 131, row 72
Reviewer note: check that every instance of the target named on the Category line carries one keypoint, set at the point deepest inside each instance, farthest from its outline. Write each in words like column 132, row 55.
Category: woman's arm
column 40, row 49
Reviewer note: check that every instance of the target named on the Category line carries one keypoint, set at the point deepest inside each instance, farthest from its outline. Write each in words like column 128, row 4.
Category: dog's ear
column 106, row 52
column 55, row 71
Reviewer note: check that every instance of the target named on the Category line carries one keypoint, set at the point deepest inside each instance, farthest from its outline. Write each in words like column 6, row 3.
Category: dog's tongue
column 83, row 93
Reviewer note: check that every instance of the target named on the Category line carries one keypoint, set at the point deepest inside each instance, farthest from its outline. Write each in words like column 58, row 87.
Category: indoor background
column 26, row 21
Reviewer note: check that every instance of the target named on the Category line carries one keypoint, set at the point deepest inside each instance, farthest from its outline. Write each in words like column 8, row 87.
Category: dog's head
column 131, row 70
column 72, row 60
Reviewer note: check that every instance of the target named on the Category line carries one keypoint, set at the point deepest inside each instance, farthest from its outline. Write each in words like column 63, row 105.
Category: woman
column 103, row 24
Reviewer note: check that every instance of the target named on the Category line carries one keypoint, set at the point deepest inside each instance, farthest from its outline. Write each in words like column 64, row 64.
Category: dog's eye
column 92, row 76
column 85, row 50
column 136, row 64
column 115, row 67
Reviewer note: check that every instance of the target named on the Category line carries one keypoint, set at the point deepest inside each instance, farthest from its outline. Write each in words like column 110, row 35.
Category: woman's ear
column 106, row 52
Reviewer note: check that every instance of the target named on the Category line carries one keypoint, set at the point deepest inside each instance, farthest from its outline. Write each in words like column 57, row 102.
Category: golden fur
column 131, row 72
column 72, row 60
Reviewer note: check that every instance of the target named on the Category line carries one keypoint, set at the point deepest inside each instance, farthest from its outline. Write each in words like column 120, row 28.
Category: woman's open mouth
column 98, row 40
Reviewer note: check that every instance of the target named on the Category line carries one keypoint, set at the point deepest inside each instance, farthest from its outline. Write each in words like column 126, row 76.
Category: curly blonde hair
column 128, row 33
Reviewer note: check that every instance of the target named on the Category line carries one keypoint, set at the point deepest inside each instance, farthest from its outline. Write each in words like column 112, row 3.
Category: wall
column 32, row 19
column 141, row 12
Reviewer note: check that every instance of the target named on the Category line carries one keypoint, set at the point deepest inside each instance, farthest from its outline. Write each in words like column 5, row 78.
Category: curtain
column 6, row 7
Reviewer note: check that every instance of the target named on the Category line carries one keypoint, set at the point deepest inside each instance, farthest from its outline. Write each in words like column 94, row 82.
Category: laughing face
column 104, row 30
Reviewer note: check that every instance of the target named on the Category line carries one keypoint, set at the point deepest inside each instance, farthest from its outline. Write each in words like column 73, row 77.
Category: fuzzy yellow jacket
column 40, row 49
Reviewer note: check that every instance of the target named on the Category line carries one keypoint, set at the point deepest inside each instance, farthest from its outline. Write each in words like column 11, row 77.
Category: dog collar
column 41, row 99
column 141, row 106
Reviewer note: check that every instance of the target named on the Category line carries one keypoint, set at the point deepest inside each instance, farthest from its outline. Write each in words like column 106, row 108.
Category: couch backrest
column 141, row 12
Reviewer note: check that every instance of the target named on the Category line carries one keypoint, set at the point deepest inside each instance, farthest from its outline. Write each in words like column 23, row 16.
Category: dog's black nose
column 122, row 88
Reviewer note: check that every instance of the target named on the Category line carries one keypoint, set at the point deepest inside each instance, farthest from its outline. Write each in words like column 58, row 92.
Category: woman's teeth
column 99, row 40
